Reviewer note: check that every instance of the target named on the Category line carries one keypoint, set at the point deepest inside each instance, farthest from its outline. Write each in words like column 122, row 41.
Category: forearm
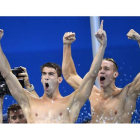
column 96, row 64
column 68, row 67
column 4, row 64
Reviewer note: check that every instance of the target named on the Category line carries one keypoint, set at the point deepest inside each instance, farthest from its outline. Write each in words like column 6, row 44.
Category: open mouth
column 47, row 85
column 102, row 78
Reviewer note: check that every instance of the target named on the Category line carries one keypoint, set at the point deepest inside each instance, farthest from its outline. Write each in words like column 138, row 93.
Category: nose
column 47, row 77
column 18, row 120
column 102, row 71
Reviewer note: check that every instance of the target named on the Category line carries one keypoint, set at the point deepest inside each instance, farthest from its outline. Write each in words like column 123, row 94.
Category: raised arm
column 68, row 67
column 14, row 86
column 134, row 87
column 86, row 85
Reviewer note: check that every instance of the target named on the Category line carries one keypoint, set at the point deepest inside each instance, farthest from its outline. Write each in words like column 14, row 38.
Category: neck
column 108, row 91
column 56, row 94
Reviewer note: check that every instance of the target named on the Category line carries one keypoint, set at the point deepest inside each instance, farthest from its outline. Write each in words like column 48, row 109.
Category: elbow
column 93, row 74
column 66, row 75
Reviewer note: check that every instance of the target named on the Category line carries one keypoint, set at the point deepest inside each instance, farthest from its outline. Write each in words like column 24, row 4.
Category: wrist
column 30, row 88
column 66, row 43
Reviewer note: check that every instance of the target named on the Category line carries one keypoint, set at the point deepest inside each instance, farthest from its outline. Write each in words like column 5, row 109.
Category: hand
column 25, row 77
column 101, row 35
column 1, row 33
column 69, row 38
column 133, row 35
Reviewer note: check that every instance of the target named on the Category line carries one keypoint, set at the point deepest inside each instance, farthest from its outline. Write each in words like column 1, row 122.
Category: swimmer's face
column 50, row 80
column 106, row 73
column 17, row 116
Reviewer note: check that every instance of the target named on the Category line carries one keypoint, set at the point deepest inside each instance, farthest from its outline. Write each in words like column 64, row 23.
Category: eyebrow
column 48, row 72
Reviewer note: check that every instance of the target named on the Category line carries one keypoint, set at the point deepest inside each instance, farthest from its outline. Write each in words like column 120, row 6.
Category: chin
column 102, row 86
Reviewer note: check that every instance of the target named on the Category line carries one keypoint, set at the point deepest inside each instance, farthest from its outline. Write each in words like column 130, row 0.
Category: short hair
column 12, row 108
column 53, row 65
column 113, row 61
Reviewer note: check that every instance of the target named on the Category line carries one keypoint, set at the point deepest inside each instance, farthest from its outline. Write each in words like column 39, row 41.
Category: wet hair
column 113, row 61
column 12, row 108
column 53, row 65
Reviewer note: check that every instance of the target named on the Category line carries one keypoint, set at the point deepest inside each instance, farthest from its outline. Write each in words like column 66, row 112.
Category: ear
column 60, row 79
column 115, row 75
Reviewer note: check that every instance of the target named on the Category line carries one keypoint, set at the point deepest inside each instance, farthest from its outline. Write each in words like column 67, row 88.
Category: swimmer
column 52, row 107
column 109, row 104
column 15, row 114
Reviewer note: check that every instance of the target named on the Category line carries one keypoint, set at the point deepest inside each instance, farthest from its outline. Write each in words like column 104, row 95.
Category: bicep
column 135, row 86
column 84, row 90
column 15, row 88
column 74, row 81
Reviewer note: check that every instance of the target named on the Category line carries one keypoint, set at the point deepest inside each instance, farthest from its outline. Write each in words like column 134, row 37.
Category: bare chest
column 107, row 111
column 49, row 112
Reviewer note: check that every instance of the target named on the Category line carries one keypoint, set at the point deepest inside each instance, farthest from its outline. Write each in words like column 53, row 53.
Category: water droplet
column 92, row 113
column 89, row 114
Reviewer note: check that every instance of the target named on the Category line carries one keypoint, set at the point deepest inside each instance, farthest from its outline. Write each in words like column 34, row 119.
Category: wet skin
column 115, row 106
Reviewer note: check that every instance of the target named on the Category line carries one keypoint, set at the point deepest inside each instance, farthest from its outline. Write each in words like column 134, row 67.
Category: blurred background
column 32, row 41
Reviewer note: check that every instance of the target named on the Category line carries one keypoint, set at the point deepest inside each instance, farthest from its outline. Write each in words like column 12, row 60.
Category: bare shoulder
column 123, row 92
column 117, row 93
column 95, row 89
